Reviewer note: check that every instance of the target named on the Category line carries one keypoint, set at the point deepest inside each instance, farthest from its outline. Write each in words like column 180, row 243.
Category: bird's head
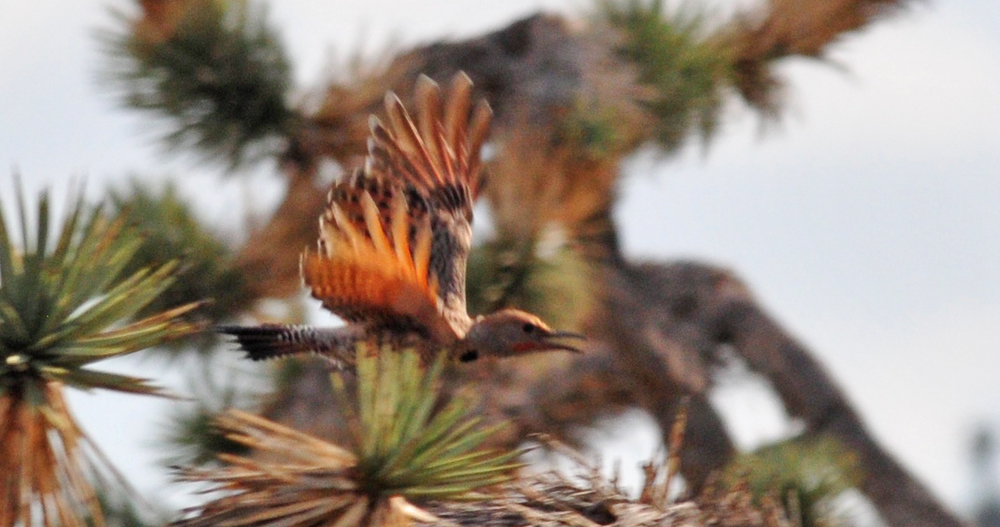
column 511, row 332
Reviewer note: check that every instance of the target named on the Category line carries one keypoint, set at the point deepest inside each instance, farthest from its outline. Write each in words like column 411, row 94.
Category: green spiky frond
column 545, row 277
column 65, row 301
column 123, row 510
column 213, row 68
column 407, row 446
column 170, row 231
column 190, row 436
column 410, row 446
column 685, row 70
column 806, row 473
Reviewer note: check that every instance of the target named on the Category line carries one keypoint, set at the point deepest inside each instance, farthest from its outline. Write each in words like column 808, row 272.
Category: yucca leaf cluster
column 411, row 447
column 215, row 71
column 66, row 303
column 408, row 446
column 686, row 71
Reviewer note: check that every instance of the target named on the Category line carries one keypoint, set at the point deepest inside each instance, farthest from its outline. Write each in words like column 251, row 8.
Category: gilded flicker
column 393, row 245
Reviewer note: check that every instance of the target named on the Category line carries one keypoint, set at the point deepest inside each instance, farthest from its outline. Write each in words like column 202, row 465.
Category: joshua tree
column 571, row 100
column 66, row 302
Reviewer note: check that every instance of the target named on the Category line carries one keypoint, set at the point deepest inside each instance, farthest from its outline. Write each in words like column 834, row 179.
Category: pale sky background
column 868, row 222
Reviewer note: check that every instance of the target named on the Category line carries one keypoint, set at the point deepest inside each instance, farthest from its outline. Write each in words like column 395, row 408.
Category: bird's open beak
column 552, row 341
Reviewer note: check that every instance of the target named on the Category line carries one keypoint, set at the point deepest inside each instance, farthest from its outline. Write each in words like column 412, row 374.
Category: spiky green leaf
column 407, row 447
column 64, row 303
column 215, row 71
column 687, row 71
column 170, row 230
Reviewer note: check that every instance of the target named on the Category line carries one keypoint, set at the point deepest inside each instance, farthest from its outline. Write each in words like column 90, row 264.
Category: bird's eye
column 469, row 356
column 529, row 327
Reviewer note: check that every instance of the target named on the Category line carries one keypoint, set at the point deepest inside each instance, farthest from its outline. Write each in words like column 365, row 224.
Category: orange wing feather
column 396, row 234
column 365, row 269
column 442, row 148
column 437, row 155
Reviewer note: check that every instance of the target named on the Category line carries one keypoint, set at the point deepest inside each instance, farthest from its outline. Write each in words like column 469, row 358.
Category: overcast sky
column 868, row 222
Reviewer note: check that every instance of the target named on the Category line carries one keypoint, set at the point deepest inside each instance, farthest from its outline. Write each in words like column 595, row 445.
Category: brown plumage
column 394, row 241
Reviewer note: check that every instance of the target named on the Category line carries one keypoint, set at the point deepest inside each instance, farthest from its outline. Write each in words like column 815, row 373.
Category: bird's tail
column 274, row 341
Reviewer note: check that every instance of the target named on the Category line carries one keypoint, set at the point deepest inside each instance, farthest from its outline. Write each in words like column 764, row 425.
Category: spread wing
column 396, row 234
column 372, row 262
column 438, row 159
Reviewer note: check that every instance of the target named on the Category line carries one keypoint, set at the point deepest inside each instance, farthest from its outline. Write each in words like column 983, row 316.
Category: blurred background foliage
column 67, row 302
column 171, row 231
column 214, row 68
column 808, row 475
column 685, row 71
column 573, row 100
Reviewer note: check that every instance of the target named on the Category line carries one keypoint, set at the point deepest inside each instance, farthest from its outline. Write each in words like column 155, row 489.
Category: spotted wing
column 438, row 157
column 373, row 258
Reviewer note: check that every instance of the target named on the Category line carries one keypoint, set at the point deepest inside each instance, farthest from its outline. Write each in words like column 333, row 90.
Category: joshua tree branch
column 715, row 301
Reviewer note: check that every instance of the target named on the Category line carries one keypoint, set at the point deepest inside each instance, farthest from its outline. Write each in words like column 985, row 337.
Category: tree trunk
column 714, row 301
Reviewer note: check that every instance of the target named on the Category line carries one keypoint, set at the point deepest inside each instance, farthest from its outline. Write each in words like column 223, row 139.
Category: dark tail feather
column 274, row 341
column 264, row 342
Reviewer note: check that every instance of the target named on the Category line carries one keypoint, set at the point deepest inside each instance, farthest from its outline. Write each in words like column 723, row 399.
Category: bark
column 715, row 301
column 665, row 359
column 784, row 28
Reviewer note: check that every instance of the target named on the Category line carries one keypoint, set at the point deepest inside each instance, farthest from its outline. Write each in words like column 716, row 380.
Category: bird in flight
column 393, row 245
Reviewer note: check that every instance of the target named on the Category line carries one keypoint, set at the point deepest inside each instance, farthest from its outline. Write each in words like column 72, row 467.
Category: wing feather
column 364, row 270
column 388, row 152
column 438, row 156
column 457, row 113
column 373, row 220
column 479, row 128
column 408, row 140
column 422, row 252
column 349, row 233
column 396, row 235
column 442, row 149
column 401, row 230
column 428, row 100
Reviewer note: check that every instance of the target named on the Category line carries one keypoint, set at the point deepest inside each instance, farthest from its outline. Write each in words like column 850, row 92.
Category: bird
column 393, row 243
